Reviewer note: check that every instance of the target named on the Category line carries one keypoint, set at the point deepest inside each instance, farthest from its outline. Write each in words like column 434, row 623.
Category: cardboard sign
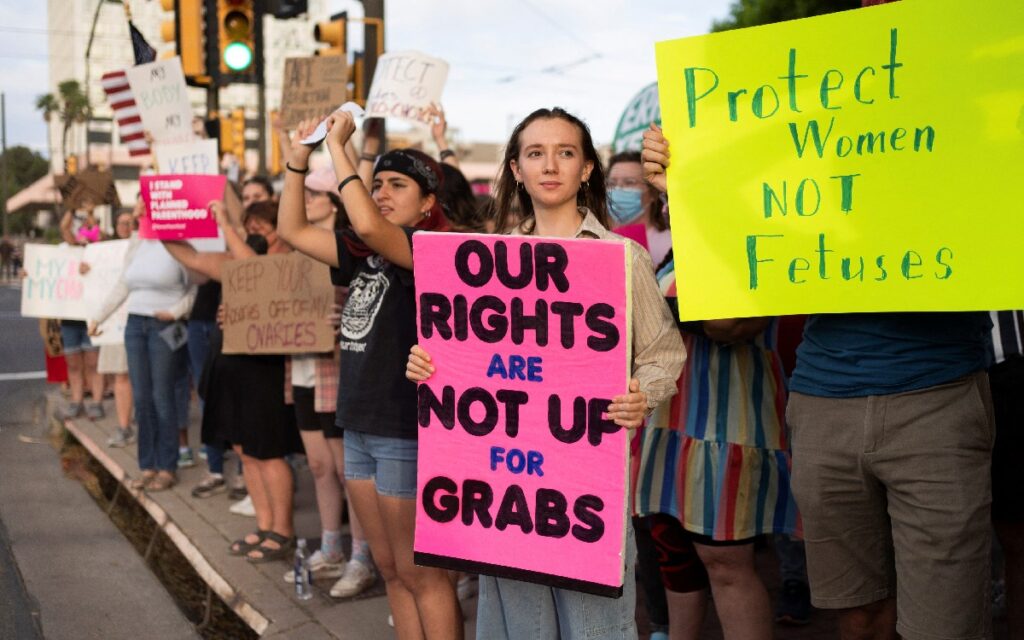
column 312, row 87
column 53, row 287
column 162, row 98
column 519, row 473
column 176, row 206
column 641, row 111
column 277, row 304
column 198, row 157
column 863, row 161
column 106, row 262
column 405, row 84
column 88, row 186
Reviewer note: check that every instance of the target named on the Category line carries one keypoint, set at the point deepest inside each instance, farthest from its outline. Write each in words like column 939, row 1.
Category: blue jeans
column 515, row 610
column 199, row 332
column 154, row 370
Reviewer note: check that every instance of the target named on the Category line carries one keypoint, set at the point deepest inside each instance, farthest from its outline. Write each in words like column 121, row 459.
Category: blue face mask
column 625, row 205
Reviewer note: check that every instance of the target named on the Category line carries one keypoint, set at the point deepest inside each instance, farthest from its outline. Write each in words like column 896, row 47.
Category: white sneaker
column 243, row 508
column 356, row 579
column 320, row 568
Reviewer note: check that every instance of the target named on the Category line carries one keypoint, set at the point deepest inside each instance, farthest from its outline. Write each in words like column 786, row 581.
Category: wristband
column 447, row 153
column 344, row 183
column 289, row 167
column 368, row 157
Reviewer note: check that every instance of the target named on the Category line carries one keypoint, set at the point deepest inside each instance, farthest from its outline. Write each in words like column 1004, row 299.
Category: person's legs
column 256, row 485
column 650, row 576
column 875, row 621
column 123, row 399
column 686, row 614
column 932, row 449
column 682, row 575
column 166, row 370
column 276, row 476
column 93, row 378
column 136, row 344
column 76, row 375
column 434, row 595
column 740, row 597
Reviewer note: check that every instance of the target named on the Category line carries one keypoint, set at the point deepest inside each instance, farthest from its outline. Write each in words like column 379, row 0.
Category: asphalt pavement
column 65, row 570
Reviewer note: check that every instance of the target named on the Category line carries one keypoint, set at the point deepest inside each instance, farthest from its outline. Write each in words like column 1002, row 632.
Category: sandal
column 284, row 551
column 240, row 547
column 163, row 481
column 140, row 483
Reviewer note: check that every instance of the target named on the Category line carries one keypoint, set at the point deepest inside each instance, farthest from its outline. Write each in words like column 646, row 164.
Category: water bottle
column 303, row 575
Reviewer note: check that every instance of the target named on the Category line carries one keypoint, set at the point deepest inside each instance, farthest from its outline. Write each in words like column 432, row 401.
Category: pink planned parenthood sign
column 521, row 474
column 177, row 206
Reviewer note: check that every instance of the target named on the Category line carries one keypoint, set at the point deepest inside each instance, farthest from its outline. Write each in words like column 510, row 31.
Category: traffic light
column 232, row 134
column 238, row 31
column 185, row 28
column 284, row 9
column 333, row 33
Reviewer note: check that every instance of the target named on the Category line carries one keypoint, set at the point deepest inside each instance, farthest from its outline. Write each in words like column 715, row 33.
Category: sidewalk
column 202, row 529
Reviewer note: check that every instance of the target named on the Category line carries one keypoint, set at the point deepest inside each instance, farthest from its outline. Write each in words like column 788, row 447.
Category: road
column 65, row 569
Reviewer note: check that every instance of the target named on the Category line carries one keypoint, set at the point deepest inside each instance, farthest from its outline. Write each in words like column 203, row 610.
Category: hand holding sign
column 655, row 158
column 320, row 132
column 340, row 127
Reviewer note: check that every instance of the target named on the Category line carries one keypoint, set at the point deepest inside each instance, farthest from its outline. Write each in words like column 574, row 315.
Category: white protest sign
column 321, row 129
column 197, row 157
column 106, row 262
column 162, row 98
column 405, row 84
column 53, row 287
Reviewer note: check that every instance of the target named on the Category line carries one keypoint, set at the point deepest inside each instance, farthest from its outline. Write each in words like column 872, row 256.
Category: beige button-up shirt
column 658, row 351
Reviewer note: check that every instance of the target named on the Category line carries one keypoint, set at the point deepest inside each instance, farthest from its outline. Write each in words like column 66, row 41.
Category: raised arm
column 381, row 236
column 237, row 247
column 372, row 146
column 292, row 224
column 439, row 129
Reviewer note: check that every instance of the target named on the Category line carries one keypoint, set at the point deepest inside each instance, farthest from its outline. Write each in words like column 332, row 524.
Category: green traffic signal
column 238, row 56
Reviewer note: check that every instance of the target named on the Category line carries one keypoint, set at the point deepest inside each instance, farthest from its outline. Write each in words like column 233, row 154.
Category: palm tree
column 48, row 105
column 71, row 105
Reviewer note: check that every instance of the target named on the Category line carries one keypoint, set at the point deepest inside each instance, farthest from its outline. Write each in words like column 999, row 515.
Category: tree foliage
column 71, row 105
column 22, row 167
column 751, row 13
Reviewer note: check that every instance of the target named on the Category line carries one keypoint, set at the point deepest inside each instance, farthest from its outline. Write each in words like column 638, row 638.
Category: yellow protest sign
column 869, row 160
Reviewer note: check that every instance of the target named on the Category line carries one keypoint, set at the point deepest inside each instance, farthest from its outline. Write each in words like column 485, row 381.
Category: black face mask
column 257, row 243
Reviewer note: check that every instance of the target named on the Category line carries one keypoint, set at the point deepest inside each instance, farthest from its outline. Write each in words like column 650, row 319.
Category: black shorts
column 1007, row 382
column 307, row 417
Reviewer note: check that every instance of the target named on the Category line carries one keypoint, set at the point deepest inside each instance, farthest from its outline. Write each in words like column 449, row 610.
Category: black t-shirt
column 378, row 327
column 207, row 300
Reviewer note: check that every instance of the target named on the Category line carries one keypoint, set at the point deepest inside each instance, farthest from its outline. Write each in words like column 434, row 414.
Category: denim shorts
column 390, row 462
column 75, row 335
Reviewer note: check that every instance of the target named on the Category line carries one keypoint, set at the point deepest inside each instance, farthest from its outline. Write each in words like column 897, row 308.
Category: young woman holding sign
column 552, row 172
column 376, row 404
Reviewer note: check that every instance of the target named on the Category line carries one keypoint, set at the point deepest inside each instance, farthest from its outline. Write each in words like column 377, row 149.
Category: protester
column 891, row 420
column 460, row 205
column 79, row 352
column 376, row 404
column 257, row 189
column 245, row 397
column 113, row 359
column 1007, row 378
column 158, row 293
column 439, row 131
column 552, row 170
column 632, row 201
column 314, row 381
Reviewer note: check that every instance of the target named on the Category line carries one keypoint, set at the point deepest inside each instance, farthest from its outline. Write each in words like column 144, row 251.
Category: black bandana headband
column 408, row 164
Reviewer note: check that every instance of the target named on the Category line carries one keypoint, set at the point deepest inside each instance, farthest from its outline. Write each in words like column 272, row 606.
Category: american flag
column 115, row 84
column 129, row 123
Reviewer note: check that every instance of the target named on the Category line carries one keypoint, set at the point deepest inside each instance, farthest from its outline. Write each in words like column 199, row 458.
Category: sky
column 507, row 57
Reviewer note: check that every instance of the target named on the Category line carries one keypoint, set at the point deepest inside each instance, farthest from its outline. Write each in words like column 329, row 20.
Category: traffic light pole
column 371, row 32
column 261, row 91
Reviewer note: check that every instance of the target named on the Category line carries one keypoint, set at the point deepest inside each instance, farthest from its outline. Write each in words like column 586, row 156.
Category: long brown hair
column 508, row 193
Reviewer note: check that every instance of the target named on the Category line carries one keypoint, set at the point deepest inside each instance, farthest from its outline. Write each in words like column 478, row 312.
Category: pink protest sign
column 520, row 473
column 176, row 206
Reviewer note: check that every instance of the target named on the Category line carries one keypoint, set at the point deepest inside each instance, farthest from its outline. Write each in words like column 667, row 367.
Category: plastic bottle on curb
column 303, row 574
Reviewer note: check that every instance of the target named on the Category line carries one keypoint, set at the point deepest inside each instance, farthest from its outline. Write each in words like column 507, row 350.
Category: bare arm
column 207, row 264
column 292, row 224
column 439, row 129
column 235, row 210
column 735, row 329
column 65, row 228
column 383, row 237
column 237, row 247
column 371, row 149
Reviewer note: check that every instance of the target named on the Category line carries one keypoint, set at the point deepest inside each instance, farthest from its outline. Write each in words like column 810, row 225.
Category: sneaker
column 243, row 508
column 238, row 490
column 185, row 458
column 202, row 454
column 121, row 438
column 94, row 411
column 320, row 567
column 70, row 410
column 210, row 485
column 794, row 605
column 356, row 579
